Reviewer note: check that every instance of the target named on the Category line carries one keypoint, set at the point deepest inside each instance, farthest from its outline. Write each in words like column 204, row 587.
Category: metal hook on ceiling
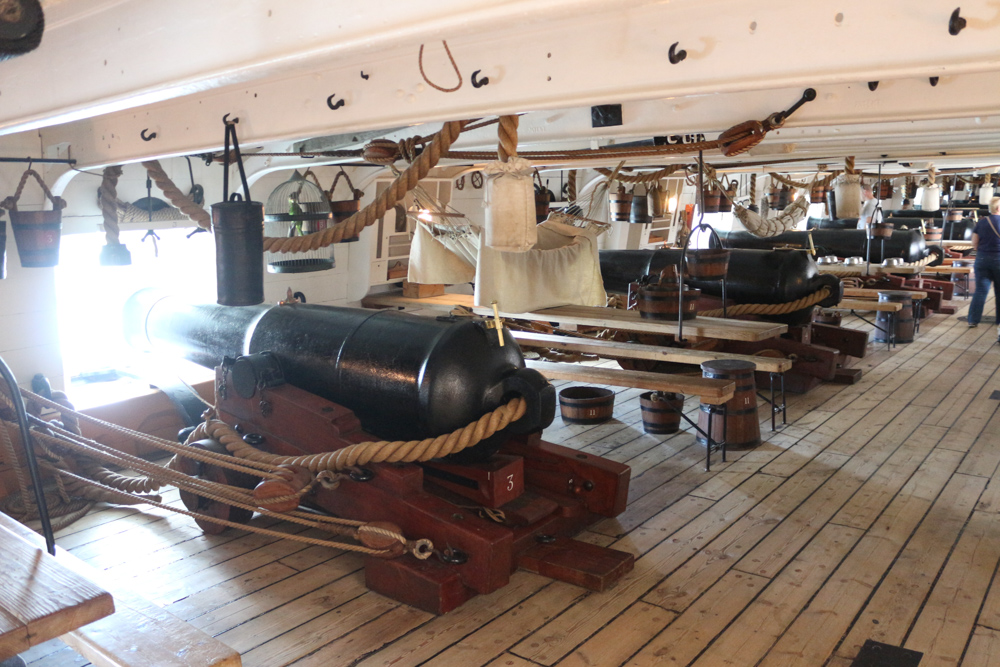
column 477, row 82
column 226, row 121
column 675, row 56
column 956, row 23
column 147, row 137
column 334, row 106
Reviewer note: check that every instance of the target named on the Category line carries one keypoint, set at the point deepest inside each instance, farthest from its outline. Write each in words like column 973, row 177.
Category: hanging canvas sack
column 930, row 200
column 847, row 188
column 510, row 206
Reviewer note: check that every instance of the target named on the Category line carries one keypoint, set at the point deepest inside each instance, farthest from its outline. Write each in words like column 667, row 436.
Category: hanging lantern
column 295, row 208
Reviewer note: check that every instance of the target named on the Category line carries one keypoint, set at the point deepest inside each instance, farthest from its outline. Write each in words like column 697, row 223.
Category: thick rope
column 753, row 189
column 571, row 186
column 849, row 164
column 386, row 200
column 176, row 197
column 107, row 199
column 643, row 177
column 374, row 452
column 825, row 181
column 10, row 203
column 922, row 262
column 507, row 134
column 771, row 308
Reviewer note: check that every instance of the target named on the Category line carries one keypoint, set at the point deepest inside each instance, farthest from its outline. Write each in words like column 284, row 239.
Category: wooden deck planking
column 878, row 501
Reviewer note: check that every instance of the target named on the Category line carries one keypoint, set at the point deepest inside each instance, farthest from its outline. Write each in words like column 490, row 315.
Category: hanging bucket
column 817, row 195
column 885, row 190
column 3, row 249
column 36, row 233
column 882, row 230
column 620, row 205
column 661, row 411
column 712, row 198
column 657, row 197
column 639, row 213
column 773, row 197
column 586, row 405
column 344, row 208
column 707, row 263
column 933, row 234
column 784, row 197
column 239, row 251
column 911, row 190
column 725, row 203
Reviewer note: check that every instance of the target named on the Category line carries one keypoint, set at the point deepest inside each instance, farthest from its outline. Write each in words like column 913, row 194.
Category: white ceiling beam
column 538, row 54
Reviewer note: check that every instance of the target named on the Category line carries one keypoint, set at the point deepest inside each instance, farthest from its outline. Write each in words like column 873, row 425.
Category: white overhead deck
column 109, row 69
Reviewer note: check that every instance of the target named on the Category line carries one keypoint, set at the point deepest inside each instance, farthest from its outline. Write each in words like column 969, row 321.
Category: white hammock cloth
column 785, row 221
column 443, row 255
column 509, row 198
column 562, row 269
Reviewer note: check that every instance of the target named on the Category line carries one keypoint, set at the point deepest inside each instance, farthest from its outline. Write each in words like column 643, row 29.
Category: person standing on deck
column 986, row 242
column 868, row 208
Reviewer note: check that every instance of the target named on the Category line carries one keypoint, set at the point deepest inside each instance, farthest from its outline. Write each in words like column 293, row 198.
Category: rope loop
column 10, row 203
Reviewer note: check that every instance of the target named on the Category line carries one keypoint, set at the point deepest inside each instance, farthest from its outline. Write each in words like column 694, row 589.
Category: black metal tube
column 29, row 454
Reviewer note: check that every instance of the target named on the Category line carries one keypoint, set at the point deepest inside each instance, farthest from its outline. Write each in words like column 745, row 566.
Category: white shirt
column 867, row 211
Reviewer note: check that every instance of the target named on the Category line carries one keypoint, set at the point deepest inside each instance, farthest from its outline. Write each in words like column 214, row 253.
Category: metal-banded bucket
column 933, row 234
column 639, row 212
column 586, row 405
column 620, row 205
column 661, row 411
column 37, row 235
column 708, row 263
column 239, row 252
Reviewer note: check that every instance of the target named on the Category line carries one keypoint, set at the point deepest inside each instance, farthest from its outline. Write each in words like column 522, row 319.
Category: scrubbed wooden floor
column 874, row 514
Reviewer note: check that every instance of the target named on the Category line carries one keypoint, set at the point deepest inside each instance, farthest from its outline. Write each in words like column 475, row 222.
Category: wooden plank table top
column 710, row 391
column 40, row 599
column 861, row 293
column 612, row 348
column 960, row 270
column 627, row 320
column 876, row 269
column 865, row 304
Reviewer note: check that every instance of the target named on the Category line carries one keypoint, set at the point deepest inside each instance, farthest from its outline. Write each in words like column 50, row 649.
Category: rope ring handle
column 10, row 203
column 357, row 194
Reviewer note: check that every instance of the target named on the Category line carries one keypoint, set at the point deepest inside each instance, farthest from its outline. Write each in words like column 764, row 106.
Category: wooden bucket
column 933, row 234
column 708, row 263
column 657, row 197
column 954, row 216
column 37, row 234
column 821, row 316
column 885, row 190
column 639, row 213
column 3, row 249
column 882, row 230
column 742, row 423
column 342, row 209
column 620, row 205
column 784, row 197
column 773, row 196
column 660, row 411
column 904, row 319
column 660, row 302
column 818, row 194
column 586, row 405
column 542, row 199
column 713, row 197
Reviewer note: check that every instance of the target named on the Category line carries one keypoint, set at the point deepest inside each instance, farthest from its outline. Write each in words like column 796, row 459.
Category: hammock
column 785, row 221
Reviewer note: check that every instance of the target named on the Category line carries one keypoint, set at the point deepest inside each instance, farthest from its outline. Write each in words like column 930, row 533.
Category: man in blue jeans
column 986, row 242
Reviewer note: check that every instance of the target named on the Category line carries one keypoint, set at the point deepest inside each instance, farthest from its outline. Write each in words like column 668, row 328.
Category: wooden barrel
column 904, row 318
column 954, row 216
column 773, row 197
column 708, row 263
column 933, row 234
column 541, row 204
column 36, row 234
column 885, row 190
column 639, row 213
column 620, row 205
column 586, row 405
column 660, row 411
column 742, row 422
column 660, row 302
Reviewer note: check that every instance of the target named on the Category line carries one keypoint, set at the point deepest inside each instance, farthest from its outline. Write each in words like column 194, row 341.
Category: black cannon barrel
column 404, row 376
column 755, row 276
column 908, row 243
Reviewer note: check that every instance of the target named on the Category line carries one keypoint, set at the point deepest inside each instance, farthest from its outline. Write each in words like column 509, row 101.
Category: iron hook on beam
column 477, row 82
column 334, row 105
column 956, row 23
column 147, row 137
column 675, row 56
column 226, row 121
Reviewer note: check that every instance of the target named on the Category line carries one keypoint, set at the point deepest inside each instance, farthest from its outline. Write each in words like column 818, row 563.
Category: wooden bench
column 138, row 633
column 861, row 293
column 891, row 307
column 615, row 349
column 40, row 597
column 708, row 390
